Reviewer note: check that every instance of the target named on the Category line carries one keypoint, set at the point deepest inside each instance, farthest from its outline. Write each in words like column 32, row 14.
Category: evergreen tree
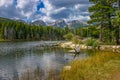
column 116, row 24
column 102, row 12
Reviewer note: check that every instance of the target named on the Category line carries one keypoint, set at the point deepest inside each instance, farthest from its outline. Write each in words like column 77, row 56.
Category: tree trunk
column 117, row 31
column 100, row 35
column 117, row 35
column 118, row 4
column 110, row 28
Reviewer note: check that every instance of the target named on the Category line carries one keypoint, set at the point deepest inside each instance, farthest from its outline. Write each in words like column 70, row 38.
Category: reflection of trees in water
column 56, row 57
column 15, row 76
column 55, row 50
column 38, row 74
column 59, row 56
column 10, row 74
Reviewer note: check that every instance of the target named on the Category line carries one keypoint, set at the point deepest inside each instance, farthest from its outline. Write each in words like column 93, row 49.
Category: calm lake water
column 37, row 57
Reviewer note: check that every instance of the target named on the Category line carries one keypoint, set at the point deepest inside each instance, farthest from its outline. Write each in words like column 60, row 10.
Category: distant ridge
column 58, row 23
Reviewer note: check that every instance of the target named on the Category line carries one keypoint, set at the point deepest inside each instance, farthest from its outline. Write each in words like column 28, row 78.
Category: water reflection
column 30, row 61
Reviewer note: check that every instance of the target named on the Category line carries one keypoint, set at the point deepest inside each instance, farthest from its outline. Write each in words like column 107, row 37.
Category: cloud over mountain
column 47, row 10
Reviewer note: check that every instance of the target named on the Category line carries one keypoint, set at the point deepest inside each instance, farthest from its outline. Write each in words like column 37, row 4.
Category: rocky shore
column 113, row 48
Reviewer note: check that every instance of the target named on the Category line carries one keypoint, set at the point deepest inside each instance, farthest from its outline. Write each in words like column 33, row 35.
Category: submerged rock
column 67, row 67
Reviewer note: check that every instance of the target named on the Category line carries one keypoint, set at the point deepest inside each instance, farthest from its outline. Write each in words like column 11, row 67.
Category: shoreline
column 24, row 40
column 71, row 45
column 111, row 48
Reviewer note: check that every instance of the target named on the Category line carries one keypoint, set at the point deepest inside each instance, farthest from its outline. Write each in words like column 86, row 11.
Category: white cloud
column 27, row 8
column 47, row 11
column 5, row 3
column 77, row 6
column 27, row 14
column 59, row 10
column 48, row 6
column 22, row 3
column 47, row 18
column 54, row 9
column 73, row 10
column 80, row 17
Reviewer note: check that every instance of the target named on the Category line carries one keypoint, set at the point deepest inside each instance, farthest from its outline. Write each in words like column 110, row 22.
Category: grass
column 98, row 67
column 1, row 39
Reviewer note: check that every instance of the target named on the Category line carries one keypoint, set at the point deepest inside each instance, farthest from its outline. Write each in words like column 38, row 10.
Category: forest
column 104, row 25
column 14, row 30
column 106, row 15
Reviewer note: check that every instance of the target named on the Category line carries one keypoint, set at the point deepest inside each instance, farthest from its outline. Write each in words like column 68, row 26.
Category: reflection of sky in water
column 45, row 59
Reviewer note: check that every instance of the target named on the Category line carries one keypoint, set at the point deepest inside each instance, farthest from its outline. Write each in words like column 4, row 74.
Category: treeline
column 105, row 14
column 13, row 30
column 90, row 31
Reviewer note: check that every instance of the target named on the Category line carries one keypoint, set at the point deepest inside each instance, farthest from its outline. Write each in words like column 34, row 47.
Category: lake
column 35, row 59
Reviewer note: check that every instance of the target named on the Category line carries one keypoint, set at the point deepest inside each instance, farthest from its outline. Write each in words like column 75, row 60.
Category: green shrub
column 76, row 40
column 91, row 42
column 69, row 36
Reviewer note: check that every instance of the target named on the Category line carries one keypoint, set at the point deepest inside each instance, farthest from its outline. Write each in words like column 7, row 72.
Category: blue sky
column 47, row 10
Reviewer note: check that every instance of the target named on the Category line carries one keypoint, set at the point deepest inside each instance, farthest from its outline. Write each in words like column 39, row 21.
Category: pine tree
column 102, row 12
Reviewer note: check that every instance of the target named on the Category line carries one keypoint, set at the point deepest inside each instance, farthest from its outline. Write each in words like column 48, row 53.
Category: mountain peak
column 60, row 23
column 76, row 23
column 39, row 22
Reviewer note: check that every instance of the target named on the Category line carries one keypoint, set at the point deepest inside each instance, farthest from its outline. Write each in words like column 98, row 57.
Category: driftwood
column 77, row 50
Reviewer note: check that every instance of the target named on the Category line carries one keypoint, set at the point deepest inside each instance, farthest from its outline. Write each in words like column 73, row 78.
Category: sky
column 46, row 10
